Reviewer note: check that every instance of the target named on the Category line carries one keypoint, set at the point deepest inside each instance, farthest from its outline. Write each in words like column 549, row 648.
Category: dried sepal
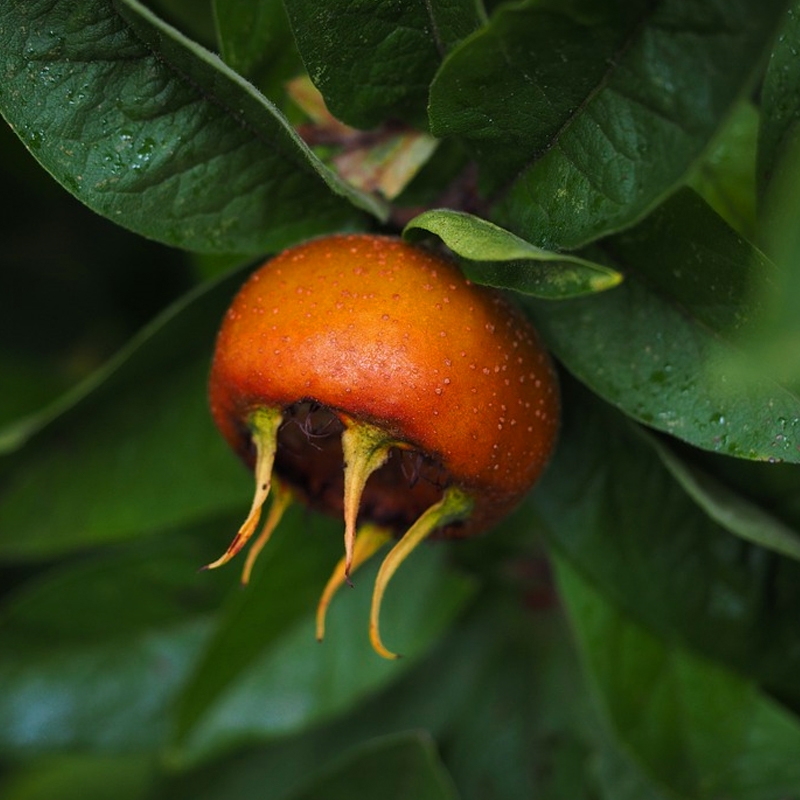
column 365, row 449
column 264, row 425
column 281, row 500
column 369, row 539
column 454, row 506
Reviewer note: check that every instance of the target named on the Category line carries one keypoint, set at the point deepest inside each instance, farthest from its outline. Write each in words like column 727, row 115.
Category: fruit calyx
column 366, row 448
column 365, row 351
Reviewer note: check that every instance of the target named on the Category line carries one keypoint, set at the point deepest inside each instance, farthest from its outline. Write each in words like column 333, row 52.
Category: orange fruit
column 368, row 378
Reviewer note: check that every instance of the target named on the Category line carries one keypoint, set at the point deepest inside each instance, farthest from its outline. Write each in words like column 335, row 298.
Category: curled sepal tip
column 365, row 449
column 455, row 505
column 369, row 539
column 264, row 425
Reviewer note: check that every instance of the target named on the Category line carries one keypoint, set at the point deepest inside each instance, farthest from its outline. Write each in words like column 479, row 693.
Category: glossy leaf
column 731, row 510
column 780, row 101
column 668, row 345
column 614, row 512
column 511, row 88
column 526, row 727
column 775, row 487
column 280, row 680
column 92, row 653
column 394, row 768
column 726, row 177
column 157, row 134
column 776, row 342
column 499, row 258
column 621, row 100
column 255, row 40
column 97, row 471
column 699, row 729
column 373, row 61
column 284, row 587
column 513, row 719
column 413, row 702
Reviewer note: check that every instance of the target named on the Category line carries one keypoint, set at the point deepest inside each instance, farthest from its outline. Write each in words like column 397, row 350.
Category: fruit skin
column 386, row 333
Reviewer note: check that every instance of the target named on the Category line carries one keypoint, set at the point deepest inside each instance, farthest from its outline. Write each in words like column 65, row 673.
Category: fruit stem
column 455, row 505
column 369, row 539
column 281, row 500
column 365, row 449
column 264, row 425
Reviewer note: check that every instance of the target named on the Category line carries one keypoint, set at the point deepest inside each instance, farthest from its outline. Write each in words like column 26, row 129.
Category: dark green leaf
column 91, row 654
column 772, row 486
column 414, row 702
column 667, row 346
column 395, row 768
column 511, row 88
column 699, row 729
column 726, row 177
column 130, row 452
column 255, row 40
column 780, row 101
column 154, row 132
column 776, row 342
column 161, row 342
column 26, row 385
column 499, row 258
column 619, row 100
column 265, row 675
column 502, row 694
column 524, row 729
column 373, row 61
column 288, row 580
column 615, row 513
column 731, row 510
column 81, row 777
column 194, row 19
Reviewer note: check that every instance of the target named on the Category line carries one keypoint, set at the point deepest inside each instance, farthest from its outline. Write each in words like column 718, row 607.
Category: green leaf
column 130, row 452
column 152, row 131
column 164, row 339
column 513, row 719
column 194, row 19
column 93, row 652
column 499, row 258
column 81, row 777
column 610, row 105
column 780, row 102
column 26, row 385
column 524, row 726
column 726, row 177
column 510, row 88
column 256, row 41
column 616, row 514
column 775, row 487
column 373, row 61
column 414, row 702
column 281, row 680
column 776, row 341
column 286, row 583
column 394, row 768
column 728, row 508
column 668, row 345
column 699, row 729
